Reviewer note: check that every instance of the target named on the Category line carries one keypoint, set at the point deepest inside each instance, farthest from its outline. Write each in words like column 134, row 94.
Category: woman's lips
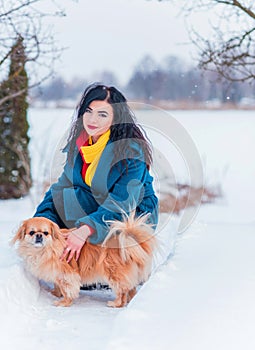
column 92, row 127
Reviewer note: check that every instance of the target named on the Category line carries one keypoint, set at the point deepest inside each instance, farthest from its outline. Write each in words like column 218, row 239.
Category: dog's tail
column 135, row 238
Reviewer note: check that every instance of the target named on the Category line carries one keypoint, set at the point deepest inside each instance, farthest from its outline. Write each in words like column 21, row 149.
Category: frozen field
column 202, row 297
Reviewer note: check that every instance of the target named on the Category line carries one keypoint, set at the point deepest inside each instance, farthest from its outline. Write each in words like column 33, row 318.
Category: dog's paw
column 115, row 304
column 111, row 304
column 63, row 302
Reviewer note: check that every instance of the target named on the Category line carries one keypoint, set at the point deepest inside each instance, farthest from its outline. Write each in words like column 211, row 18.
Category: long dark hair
column 124, row 123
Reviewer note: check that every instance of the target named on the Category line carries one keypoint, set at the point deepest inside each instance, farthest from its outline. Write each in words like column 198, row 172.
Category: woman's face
column 97, row 118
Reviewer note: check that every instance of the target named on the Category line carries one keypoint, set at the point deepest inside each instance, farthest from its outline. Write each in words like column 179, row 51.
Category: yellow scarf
column 92, row 154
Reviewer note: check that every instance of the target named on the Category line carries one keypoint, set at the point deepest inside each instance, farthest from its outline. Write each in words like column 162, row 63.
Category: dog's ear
column 55, row 230
column 20, row 234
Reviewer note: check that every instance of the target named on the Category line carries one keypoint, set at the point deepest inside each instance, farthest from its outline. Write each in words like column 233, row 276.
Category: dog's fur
column 123, row 260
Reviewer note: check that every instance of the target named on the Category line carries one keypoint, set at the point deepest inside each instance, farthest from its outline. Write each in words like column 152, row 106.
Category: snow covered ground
column 201, row 297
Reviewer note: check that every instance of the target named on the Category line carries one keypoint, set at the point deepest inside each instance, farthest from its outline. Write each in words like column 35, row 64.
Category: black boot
column 94, row 286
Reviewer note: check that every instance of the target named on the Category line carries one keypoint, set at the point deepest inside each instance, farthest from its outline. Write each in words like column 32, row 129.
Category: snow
column 201, row 292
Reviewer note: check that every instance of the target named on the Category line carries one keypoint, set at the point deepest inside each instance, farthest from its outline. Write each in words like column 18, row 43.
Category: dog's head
column 37, row 231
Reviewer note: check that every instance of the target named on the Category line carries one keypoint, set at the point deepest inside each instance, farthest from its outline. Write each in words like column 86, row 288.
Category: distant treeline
column 171, row 80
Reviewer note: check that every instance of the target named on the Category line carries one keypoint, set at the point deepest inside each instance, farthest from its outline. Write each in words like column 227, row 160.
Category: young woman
column 106, row 173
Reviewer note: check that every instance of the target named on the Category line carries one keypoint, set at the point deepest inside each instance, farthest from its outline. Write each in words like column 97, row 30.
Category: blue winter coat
column 71, row 202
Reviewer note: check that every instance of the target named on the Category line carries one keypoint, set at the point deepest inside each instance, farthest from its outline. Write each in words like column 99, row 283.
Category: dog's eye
column 46, row 233
column 32, row 233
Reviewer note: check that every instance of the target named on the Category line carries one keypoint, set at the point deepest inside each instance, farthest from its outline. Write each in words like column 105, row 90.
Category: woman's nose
column 93, row 116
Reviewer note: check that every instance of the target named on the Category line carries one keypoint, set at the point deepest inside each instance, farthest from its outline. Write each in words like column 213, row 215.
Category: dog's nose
column 38, row 238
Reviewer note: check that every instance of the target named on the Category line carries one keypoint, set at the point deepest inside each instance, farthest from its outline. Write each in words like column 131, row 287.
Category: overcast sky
column 115, row 34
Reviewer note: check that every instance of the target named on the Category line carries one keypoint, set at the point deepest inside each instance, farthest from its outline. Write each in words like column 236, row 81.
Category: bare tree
column 27, row 19
column 230, row 49
column 27, row 54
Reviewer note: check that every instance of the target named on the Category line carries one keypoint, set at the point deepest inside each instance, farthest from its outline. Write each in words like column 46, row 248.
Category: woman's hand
column 74, row 242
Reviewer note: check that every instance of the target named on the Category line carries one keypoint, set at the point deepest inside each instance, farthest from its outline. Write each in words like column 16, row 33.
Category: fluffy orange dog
column 123, row 260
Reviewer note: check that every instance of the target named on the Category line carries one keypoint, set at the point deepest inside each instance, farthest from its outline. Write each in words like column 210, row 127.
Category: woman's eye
column 88, row 110
column 46, row 233
column 32, row 233
column 104, row 115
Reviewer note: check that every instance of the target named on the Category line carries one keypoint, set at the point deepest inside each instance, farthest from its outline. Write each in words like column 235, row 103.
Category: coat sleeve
column 125, row 195
column 48, row 208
